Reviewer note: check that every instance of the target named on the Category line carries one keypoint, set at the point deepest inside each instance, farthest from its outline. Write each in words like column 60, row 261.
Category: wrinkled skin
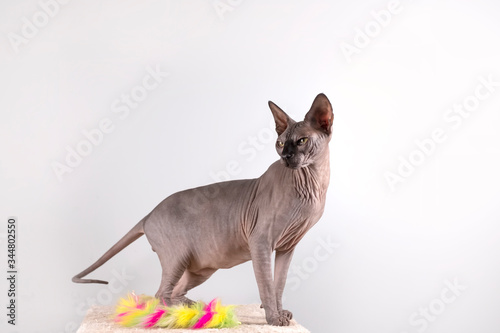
column 198, row 231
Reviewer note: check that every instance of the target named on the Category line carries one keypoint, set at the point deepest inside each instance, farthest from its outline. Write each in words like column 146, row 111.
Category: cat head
column 300, row 144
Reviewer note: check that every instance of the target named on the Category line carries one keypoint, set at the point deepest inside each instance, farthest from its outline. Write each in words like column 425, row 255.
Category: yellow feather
column 218, row 317
column 184, row 316
column 133, row 309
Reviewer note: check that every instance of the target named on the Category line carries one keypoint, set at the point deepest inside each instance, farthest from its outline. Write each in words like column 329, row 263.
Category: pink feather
column 153, row 318
column 207, row 316
column 122, row 314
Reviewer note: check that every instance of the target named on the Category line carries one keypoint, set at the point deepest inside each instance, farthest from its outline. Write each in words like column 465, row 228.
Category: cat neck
column 311, row 182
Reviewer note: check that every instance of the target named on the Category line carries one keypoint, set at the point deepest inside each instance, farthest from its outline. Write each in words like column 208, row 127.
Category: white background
column 394, row 250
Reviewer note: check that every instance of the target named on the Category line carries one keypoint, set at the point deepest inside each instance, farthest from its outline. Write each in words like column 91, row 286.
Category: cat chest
column 294, row 229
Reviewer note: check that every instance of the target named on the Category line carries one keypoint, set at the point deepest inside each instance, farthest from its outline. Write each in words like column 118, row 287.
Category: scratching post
column 252, row 318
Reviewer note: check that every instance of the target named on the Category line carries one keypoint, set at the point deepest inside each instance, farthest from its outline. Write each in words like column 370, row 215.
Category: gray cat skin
column 242, row 219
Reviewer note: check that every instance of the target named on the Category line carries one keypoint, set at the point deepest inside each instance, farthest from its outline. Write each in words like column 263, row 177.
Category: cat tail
column 136, row 232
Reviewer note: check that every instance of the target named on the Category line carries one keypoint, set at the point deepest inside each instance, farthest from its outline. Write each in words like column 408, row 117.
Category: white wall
column 394, row 251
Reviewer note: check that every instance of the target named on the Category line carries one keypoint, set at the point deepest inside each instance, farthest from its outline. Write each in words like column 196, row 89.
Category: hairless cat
column 243, row 219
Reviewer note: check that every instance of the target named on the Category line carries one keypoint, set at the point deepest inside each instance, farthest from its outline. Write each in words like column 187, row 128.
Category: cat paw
column 279, row 319
column 182, row 300
column 287, row 314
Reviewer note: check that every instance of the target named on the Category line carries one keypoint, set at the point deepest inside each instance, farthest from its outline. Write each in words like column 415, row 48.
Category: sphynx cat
column 242, row 220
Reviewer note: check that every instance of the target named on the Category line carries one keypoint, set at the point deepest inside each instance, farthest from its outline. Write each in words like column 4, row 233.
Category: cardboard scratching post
column 252, row 318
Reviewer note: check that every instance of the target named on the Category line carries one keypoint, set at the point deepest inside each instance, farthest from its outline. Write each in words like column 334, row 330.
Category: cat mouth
column 291, row 165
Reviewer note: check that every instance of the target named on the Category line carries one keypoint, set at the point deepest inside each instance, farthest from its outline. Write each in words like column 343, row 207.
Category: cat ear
column 320, row 116
column 280, row 118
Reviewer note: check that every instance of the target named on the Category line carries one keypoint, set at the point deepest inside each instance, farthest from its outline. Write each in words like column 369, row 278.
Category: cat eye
column 302, row 141
column 280, row 144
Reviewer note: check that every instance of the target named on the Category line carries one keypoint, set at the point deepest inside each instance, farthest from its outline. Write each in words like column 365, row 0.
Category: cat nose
column 287, row 154
column 288, row 151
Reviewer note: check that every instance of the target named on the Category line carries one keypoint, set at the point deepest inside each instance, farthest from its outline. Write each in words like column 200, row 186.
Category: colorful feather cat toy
column 146, row 311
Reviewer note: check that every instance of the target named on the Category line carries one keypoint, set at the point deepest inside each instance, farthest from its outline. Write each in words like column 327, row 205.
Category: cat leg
column 171, row 274
column 281, row 265
column 188, row 281
column 261, row 260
